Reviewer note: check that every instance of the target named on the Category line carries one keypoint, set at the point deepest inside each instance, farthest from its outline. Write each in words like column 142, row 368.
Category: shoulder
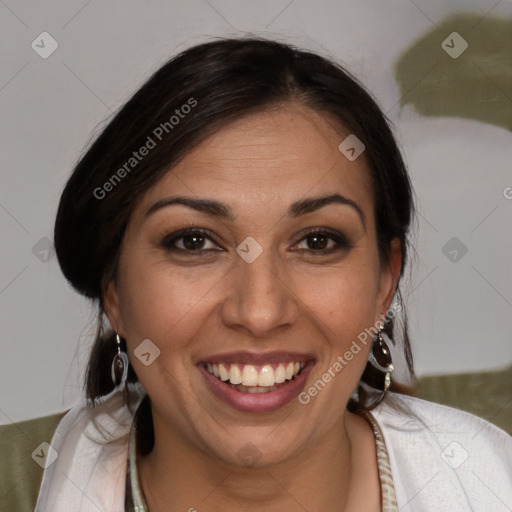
column 24, row 447
column 443, row 457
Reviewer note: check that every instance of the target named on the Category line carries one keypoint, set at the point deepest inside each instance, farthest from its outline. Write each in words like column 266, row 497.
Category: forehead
column 282, row 153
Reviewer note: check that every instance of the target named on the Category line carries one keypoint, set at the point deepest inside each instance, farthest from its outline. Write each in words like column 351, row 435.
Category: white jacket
column 442, row 459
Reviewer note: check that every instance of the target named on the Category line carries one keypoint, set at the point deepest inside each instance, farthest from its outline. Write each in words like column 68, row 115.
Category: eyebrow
column 217, row 209
column 315, row 203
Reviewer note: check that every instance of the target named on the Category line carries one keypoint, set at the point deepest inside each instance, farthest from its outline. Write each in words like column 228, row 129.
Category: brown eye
column 188, row 241
column 193, row 242
column 317, row 241
column 323, row 242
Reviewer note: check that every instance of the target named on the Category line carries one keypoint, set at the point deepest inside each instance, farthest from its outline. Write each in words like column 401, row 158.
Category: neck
column 176, row 475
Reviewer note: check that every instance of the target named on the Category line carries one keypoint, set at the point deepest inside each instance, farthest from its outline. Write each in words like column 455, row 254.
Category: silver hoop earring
column 119, row 369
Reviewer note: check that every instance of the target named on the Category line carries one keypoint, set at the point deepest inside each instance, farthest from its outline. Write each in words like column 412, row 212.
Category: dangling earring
column 377, row 373
column 120, row 363
column 380, row 357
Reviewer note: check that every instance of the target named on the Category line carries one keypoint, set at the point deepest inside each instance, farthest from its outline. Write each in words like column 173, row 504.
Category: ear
column 389, row 276
column 112, row 309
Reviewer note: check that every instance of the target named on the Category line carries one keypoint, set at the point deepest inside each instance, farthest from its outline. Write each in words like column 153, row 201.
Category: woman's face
column 234, row 263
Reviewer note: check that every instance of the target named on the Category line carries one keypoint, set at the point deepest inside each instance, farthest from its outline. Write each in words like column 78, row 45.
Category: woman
column 242, row 222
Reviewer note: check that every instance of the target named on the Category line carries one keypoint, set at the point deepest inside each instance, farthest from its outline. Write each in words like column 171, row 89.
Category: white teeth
column 249, row 375
column 223, row 373
column 266, row 376
column 280, row 374
column 290, row 368
column 257, row 390
column 251, row 380
column 235, row 375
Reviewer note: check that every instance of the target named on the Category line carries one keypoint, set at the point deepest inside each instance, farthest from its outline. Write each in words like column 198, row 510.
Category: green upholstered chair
column 485, row 394
column 22, row 457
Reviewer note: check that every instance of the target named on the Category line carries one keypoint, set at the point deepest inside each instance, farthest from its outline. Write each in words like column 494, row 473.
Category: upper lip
column 257, row 358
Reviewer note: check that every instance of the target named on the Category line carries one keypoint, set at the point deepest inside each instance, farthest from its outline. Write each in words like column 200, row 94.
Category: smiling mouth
column 249, row 378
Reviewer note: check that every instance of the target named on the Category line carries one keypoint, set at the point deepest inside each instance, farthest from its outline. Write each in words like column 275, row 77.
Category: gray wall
column 460, row 311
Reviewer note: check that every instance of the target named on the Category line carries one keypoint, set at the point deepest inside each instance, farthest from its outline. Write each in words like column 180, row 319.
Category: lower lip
column 257, row 402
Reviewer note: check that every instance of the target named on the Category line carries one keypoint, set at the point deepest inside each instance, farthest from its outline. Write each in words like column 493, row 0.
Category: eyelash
column 342, row 243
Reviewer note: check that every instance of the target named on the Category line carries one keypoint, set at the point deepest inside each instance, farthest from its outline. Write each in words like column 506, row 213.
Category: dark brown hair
column 220, row 81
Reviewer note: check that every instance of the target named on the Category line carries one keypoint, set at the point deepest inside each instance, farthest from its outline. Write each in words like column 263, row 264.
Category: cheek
column 344, row 306
column 156, row 305
column 345, row 312
column 344, row 298
column 160, row 303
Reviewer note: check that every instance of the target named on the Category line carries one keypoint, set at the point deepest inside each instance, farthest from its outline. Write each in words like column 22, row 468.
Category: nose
column 260, row 299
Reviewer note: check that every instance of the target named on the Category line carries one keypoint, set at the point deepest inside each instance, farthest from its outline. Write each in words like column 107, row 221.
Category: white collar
column 89, row 473
column 93, row 447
